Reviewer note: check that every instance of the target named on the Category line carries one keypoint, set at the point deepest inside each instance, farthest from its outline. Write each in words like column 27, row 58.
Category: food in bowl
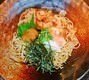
column 44, row 39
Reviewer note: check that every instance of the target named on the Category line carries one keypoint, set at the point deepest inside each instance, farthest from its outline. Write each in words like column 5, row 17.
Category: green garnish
column 25, row 26
column 44, row 36
column 40, row 56
column 37, row 55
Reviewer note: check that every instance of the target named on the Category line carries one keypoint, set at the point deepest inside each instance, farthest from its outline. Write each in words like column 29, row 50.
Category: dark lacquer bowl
column 77, row 64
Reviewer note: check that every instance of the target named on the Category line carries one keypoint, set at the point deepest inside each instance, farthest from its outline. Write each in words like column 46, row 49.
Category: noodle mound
column 48, row 19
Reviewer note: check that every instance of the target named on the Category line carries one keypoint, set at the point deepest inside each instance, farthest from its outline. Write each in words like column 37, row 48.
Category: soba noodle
column 47, row 19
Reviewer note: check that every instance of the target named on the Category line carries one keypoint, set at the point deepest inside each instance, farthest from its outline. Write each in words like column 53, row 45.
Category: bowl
column 77, row 64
